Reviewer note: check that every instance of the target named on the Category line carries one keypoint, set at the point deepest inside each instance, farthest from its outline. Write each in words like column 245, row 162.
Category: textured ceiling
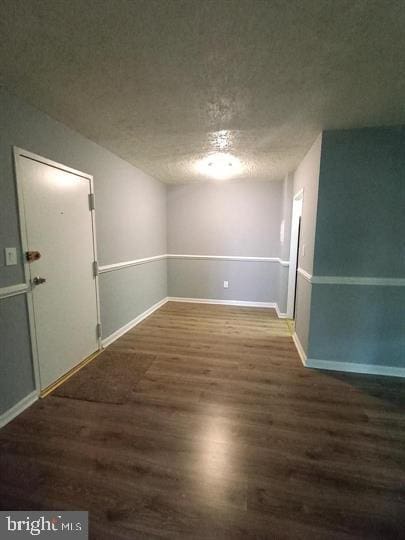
column 164, row 83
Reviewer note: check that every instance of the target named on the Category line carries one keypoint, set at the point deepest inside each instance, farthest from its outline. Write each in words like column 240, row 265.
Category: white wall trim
column 125, row 264
column 18, row 408
column 227, row 258
column 117, row 266
column 347, row 367
column 240, row 303
column 300, row 348
column 118, row 333
column 350, row 367
column 279, row 314
column 352, row 280
column 338, row 280
column 14, row 290
column 297, row 206
column 304, row 274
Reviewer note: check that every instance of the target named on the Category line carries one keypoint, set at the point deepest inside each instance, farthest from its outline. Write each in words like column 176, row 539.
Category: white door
column 59, row 225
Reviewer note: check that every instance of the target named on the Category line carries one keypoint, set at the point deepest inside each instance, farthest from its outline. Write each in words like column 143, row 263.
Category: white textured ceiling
column 163, row 83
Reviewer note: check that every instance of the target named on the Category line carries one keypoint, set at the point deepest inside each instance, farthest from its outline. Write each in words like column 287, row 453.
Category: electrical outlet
column 10, row 256
column 226, row 284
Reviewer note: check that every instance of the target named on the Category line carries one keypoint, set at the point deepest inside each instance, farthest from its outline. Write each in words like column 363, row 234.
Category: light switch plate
column 10, row 254
column 282, row 232
column 226, row 284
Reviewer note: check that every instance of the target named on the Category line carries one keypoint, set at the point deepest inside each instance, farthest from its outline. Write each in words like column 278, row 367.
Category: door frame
column 18, row 154
column 292, row 273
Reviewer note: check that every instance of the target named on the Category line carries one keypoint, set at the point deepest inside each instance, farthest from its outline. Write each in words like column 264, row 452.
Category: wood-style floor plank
column 201, row 422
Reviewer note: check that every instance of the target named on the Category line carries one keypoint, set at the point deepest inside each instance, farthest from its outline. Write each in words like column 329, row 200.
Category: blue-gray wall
column 360, row 232
column 360, row 228
column 358, row 324
column 130, row 221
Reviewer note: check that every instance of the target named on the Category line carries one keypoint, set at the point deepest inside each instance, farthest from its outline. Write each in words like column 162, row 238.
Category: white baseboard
column 118, row 333
column 240, row 303
column 18, row 408
column 279, row 314
column 347, row 367
column 121, row 331
column 350, row 367
column 300, row 349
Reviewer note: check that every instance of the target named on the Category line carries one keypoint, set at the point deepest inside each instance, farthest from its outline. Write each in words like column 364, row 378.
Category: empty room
column 202, row 269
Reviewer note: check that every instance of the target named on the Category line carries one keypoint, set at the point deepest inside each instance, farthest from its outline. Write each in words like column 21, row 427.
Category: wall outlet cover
column 282, row 232
column 226, row 284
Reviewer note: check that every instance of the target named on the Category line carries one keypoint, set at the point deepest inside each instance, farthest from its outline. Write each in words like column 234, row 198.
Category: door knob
column 38, row 280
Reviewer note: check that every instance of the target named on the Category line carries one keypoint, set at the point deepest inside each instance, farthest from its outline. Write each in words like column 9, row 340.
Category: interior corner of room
column 250, row 189
column 228, row 244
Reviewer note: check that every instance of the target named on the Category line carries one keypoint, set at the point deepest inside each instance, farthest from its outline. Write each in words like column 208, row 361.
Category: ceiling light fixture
column 219, row 165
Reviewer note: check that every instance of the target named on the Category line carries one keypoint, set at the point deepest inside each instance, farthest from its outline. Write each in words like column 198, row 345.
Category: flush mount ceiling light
column 219, row 165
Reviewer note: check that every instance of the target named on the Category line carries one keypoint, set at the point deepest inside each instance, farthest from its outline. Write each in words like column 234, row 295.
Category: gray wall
column 228, row 218
column 248, row 281
column 126, row 293
column 225, row 218
column 306, row 177
column 130, row 220
column 282, row 288
column 16, row 369
column 360, row 232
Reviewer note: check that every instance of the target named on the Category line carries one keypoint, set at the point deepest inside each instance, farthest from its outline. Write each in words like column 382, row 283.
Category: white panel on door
column 59, row 225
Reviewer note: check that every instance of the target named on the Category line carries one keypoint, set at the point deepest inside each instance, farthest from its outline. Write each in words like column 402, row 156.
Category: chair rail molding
column 227, row 258
column 343, row 366
column 352, row 280
column 102, row 269
column 125, row 264
column 14, row 290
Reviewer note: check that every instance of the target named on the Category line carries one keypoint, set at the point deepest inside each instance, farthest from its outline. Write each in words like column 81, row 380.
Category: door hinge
column 98, row 330
column 95, row 268
column 92, row 202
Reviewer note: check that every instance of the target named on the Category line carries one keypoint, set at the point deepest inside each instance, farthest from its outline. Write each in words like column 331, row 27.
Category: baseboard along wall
column 131, row 324
column 18, row 408
column 347, row 367
column 118, row 333
column 329, row 365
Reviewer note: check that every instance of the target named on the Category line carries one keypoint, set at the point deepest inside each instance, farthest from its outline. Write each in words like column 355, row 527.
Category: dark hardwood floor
column 202, row 423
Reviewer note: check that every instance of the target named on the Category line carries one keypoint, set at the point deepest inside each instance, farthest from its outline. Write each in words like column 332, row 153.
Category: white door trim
column 292, row 273
column 19, row 153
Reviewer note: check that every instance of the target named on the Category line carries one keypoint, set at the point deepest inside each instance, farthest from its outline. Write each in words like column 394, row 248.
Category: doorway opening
column 294, row 253
column 58, row 238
